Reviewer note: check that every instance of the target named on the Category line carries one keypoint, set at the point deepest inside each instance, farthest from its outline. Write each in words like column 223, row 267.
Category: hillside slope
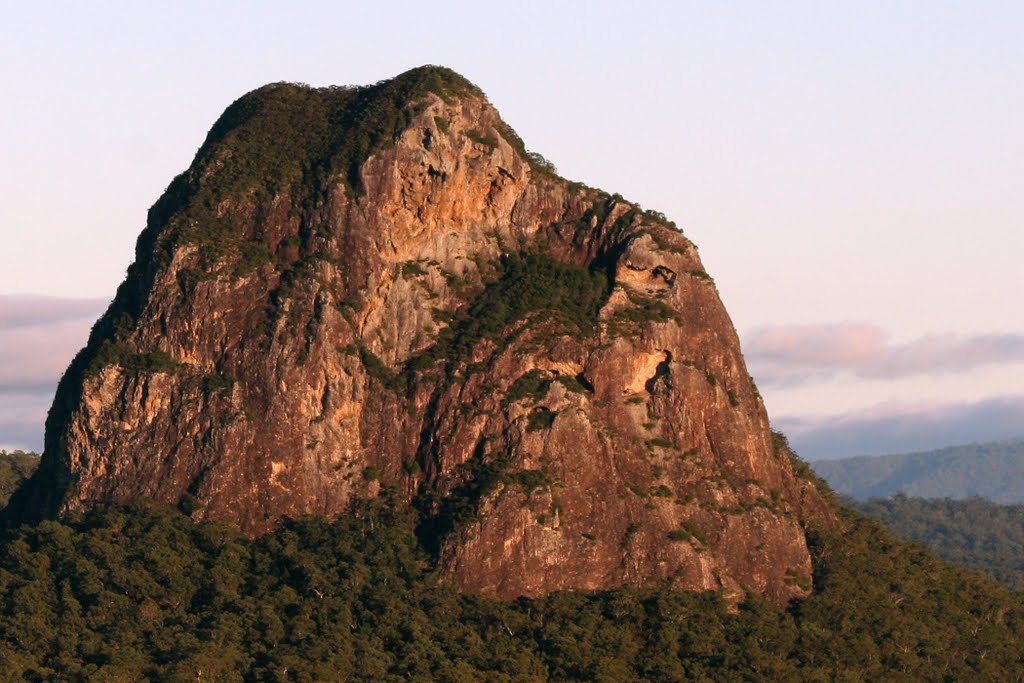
column 973, row 533
column 15, row 467
column 991, row 470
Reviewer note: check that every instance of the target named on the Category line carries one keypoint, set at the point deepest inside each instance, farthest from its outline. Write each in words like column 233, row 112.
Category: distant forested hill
column 973, row 533
column 14, row 467
column 991, row 470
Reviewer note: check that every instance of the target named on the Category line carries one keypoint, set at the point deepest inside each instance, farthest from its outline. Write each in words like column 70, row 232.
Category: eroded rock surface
column 357, row 290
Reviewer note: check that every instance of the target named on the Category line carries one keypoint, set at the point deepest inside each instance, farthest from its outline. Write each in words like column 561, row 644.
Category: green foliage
column 539, row 419
column 695, row 531
column 145, row 594
column 379, row 370
column 528, row 285
column 801, row 470
column 688, row 531
column 533, row 385
column 481, row 476
column 410, row 269
column 441, row 123
column 120, row 353
column 664, row 238
column 481, row 139
column 218, row 384
column 573, row 384
column 251, row 255
column 540, row 164
column 973, row 533
column 646, row 309
column 530, row 480
column 15, row 467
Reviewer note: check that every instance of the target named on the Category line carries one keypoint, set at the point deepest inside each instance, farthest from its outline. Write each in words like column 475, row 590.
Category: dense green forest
column 146, row 594
column 972, row 533
column 15, row 467
column 991, row 470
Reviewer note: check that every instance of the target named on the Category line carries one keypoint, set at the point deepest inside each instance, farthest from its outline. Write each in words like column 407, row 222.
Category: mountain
column 973, row 533
column 354, row 292
column 376, row 367
column 991, row 470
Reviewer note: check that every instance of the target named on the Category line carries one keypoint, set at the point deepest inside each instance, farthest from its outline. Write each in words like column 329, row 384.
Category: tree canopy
column 146, row 594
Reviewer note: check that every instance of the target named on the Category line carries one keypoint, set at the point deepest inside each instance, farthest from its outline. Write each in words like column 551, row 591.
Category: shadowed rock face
column 353, row 290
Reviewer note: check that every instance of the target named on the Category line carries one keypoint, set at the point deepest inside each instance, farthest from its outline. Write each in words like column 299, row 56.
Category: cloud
column 895, row 427
column 33, row 311
column 795, row 354
column 38, row 338
column 22, row 417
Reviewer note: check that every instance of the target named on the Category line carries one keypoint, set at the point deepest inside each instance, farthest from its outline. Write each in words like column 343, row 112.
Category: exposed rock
column 352, row 289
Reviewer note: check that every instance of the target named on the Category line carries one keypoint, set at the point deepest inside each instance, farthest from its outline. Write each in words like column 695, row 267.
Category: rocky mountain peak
column 365, row 292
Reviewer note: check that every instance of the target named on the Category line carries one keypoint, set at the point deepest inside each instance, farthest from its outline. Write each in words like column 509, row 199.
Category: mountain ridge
column 993, row 470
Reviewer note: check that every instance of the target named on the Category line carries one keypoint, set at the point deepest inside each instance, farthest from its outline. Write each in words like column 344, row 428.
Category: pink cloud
column 29, row 311
column 40, row 335
column 38, row 338
column 38, row 355
column 792, row 354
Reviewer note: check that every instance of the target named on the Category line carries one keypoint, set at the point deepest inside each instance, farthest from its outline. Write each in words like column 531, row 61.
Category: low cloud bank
column 38, row 338
column 787, row 355
column 22, row 417
column 34, row 311
column 901, row 428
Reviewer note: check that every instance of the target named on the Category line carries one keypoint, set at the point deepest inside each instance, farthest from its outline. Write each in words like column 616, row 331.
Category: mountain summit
column 377, row 291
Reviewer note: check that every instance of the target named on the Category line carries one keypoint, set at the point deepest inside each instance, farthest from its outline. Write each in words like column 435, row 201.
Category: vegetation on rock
column 529, row 285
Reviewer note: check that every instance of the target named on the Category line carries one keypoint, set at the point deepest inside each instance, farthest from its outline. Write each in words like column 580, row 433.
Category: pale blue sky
column 835, row 162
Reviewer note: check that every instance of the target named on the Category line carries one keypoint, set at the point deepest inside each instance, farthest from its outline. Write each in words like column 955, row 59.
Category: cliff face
column 357, row 290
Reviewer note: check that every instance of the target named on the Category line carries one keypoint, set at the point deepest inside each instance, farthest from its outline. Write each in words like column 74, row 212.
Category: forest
column 147, row 594
column 15, row 467
column 972, row 533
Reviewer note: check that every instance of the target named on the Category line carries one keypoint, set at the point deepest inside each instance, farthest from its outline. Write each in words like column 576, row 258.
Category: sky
column 853, row 173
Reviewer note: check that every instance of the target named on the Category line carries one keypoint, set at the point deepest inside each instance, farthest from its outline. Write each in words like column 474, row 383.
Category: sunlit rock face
column 367, row 291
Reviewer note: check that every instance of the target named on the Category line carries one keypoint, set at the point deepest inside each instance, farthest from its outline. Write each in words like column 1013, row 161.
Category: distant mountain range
column 991, row 470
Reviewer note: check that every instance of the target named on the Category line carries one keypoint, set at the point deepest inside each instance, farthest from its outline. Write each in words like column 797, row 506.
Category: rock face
column 357, row 290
